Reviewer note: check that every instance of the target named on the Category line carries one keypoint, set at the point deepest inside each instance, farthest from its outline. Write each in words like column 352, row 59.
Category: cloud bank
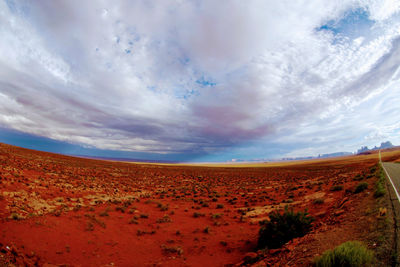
column 201, row 76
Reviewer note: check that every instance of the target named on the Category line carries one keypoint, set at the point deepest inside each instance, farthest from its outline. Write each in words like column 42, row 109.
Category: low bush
column 164, row 219
column 318, row 201
column 361, row 187
column 15, row 216
column 198, row 214
column 337, row 188
column 216, row 215
column 380, row 184
column 358, row 177
column 351, row 253
column 379, row 190
column 104, row 214
column 283, row 227
column 172, row 249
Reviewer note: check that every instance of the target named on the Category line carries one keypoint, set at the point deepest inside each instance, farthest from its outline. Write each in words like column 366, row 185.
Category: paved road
column 393, row 170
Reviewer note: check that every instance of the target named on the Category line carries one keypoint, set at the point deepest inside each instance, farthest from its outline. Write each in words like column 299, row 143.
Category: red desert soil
column 71, row 211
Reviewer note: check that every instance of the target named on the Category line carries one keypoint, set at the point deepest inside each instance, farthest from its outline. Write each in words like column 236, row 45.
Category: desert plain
column 58, row 210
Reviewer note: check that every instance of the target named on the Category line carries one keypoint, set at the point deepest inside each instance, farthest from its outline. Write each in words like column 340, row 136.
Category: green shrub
column 351, row 253
column 15, row 216
column 337, row 188
column 379, row 190
column 361, row 187
column 133, row 221
column 173, row 249
column 216, row 215
column 380, row 184
column 318, row 201
column 104, row 213
column 358, row 177
column 164, row 219
column 373, row 169
column 283, row 227
column 198, row 214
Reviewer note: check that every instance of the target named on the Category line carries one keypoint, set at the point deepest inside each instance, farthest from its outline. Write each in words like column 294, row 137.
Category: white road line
column 390, row 179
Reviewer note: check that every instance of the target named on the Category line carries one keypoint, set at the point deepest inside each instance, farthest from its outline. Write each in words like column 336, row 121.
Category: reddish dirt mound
column 80, row 212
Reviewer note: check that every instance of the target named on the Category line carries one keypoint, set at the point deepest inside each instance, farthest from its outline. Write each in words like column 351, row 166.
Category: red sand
column 80, row 212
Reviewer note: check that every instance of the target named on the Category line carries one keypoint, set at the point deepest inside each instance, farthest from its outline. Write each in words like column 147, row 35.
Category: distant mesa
column 337, row 154
column 363, row 150
column 330, row 155
column 366, row 150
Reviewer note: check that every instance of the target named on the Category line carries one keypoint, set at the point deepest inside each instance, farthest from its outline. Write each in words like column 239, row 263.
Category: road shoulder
column 393, row 206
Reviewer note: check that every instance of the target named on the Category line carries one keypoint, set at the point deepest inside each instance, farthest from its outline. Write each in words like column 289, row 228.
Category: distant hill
column 337, row 154
column 125, row 159
column 383, row 145
column 330, row 155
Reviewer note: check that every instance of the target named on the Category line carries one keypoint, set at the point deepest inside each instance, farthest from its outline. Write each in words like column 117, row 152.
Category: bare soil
column 71, row 211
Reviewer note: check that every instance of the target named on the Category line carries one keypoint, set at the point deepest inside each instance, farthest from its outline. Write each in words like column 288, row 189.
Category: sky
column 199, row 80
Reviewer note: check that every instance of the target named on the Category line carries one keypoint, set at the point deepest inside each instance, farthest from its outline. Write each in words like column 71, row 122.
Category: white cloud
column 192, row 76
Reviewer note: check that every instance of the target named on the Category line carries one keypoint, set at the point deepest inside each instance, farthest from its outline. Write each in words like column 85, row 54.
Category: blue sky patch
column 11, row 6
column 205, row 82
column 352, row 24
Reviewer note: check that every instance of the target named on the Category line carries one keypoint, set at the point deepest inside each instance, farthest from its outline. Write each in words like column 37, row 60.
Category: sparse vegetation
column 223, row 243
column 164, row 219
column 283, row 227
column 318, row 201
column 89, row 226
column 337, row 188
column 15, row 216
column 358, row 177
column 351, row 253
column 172, row 249
column 198, row 214
column 361, row 187
column 104, row 213
column 120, row 208
column 380, row 184
column 92, row 220
column 142, row 232
column 133, row 221
column 216, row 215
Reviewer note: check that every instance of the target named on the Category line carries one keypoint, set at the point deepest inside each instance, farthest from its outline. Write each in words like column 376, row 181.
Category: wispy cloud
column 204, row 77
